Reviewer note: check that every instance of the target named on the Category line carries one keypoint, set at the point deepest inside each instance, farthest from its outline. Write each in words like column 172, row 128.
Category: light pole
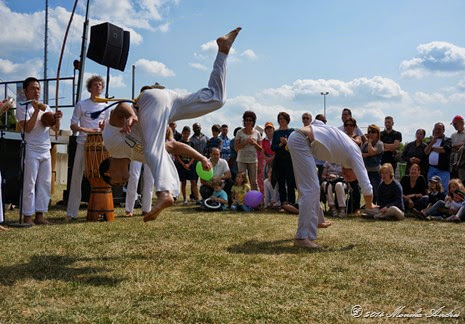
column 324, row 94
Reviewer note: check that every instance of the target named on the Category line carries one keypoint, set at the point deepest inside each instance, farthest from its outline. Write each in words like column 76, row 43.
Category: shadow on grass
column 281, row 247
column 57, row 267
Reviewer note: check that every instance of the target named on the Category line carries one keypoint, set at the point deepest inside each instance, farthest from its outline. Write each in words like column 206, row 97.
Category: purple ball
column 253, row 198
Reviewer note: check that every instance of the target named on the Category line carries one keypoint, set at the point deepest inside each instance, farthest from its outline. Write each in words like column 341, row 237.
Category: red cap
column 456, row 119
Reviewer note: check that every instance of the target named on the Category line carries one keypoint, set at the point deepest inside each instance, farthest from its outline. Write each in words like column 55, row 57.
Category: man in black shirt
column 391, row 139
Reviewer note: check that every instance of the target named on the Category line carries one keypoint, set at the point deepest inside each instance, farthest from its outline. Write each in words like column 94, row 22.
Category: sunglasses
column 248, row 120
column 372, row 132
column 349, row 125
column 305, row 117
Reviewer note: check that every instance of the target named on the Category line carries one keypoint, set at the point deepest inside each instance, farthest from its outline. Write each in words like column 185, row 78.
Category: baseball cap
column 435, row 179
column 269, row 124
column 456, row 119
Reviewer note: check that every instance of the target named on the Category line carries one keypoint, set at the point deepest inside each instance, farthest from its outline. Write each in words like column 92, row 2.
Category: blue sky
column 399, row 58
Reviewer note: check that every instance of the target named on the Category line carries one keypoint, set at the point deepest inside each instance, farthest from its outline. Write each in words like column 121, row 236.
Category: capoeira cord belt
column 306, row 137
column 95, row 114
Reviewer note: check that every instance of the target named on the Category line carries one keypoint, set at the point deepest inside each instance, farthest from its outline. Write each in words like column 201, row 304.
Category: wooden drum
column 100, row 206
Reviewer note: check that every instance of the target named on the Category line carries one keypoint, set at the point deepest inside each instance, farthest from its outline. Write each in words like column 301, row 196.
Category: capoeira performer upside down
column 139, row 134
column 327, row 143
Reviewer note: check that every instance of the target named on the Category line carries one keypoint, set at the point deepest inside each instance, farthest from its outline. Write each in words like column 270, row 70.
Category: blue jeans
column 241, row 208
column 444, row 175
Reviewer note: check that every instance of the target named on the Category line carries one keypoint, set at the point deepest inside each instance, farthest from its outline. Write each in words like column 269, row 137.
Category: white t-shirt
column 122, row 145
column 433, row 158
column 248, row 154
column 38, row 139
column 220, row 168
column 81, row 117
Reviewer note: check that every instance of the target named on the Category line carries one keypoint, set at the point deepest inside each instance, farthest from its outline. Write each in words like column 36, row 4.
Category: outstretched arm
column 177, row 148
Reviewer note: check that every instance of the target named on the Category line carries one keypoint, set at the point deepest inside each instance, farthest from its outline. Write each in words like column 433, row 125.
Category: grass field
column 191, row 266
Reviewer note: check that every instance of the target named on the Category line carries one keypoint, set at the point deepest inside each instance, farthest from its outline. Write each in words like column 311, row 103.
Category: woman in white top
column 247, row 144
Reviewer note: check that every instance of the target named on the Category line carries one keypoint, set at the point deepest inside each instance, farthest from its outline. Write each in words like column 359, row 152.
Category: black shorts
column 184, row 174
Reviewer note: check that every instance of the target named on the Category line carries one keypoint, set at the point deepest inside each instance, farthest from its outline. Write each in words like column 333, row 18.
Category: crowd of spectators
column 430, row 170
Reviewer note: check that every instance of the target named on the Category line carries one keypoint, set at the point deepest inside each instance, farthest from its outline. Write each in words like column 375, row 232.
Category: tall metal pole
column 324, row 94
column 82, row 57
column 133, row 81
column 45, row 96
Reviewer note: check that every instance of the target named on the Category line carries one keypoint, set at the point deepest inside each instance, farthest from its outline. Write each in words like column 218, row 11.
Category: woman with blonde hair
column 390, row 201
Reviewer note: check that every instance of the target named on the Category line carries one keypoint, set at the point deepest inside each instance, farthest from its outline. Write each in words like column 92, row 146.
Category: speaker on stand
column 109, row 46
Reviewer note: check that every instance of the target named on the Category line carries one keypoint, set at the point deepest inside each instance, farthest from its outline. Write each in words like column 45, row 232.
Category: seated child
column 219, row 195
column 271, row 194
column 447, row 207
column 238, row 191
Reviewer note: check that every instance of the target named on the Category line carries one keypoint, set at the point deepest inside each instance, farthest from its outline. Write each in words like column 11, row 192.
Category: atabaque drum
column 100, row 206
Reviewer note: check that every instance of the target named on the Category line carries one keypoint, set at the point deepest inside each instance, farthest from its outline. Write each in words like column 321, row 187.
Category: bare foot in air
column 164, row 200
column 225, row 42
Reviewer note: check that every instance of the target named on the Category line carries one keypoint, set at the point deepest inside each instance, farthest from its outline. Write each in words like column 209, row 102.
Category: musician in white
column 37, row 166
column 82, row 123
column 157, row 108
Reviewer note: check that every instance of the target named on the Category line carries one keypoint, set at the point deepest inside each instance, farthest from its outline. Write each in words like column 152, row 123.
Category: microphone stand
column 21, row 178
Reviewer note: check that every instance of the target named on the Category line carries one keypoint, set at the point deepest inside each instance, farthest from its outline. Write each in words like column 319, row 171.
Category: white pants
column 74, row 197
column 271, row 194
column 1, row 202
column 147, row 190
column 339, row 189
column 37, row 182
column 308, row 185
column 159, row 107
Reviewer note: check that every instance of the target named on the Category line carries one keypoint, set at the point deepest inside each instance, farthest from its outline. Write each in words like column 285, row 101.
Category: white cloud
column 154, row 67
column 435, row 57
column 198, row 66
column 375, row 88
column 20, row 71
column 250, row 54
column 116, row 81
column 164, row 28
column 210, row 46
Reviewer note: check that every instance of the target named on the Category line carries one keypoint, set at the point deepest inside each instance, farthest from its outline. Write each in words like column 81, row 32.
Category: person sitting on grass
column 271, row 194
column 391, row 205
column 334, row 185
column 435, row 193
column 413, row 187
column 238, row 191
column 459, row 216
column 219, row 195
column 450, row 206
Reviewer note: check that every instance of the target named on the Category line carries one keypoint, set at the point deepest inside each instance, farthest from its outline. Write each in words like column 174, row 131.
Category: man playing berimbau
column 327, row 143
column 139, row 134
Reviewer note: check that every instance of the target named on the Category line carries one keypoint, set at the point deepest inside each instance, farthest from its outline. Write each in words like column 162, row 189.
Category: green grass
column 190, row 266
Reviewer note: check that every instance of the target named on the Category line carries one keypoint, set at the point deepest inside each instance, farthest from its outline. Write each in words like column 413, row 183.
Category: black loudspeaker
column 10, row 167
column 109, row 45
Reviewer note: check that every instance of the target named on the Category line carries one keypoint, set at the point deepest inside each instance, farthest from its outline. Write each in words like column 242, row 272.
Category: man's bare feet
column 40, row 219
column 225, row 42
column 28, row 220
column 165, row 200
column 3, row 228
column 325, row 224
column 305, row 243
column 128, row 214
